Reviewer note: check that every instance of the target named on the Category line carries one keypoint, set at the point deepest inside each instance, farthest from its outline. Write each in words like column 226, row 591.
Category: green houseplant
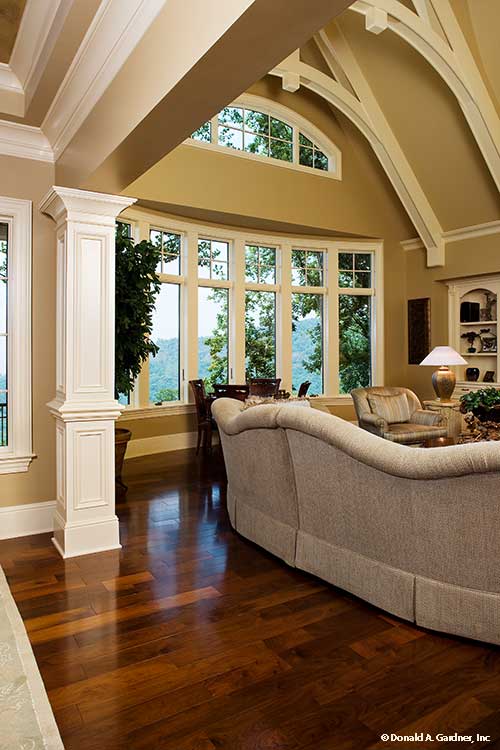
column 483, row 403
column 137, row 285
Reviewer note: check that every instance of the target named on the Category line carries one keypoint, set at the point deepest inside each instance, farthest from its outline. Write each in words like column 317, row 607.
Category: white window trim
column 290, row 117
column 237, row 239
column 17, row 455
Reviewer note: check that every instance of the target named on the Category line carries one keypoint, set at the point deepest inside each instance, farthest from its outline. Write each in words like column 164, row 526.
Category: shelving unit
column 485, row 292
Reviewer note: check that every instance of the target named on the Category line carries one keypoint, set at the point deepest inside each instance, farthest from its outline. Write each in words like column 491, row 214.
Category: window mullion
column 331, row 330
column 237, row 314
column 189, row 356
column 284, row 319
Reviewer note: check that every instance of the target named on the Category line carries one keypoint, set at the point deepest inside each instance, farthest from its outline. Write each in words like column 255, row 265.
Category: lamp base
column 443, row 381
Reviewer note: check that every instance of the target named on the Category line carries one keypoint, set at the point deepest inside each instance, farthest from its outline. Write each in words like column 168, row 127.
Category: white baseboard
column 161, row 444
column 23, row 520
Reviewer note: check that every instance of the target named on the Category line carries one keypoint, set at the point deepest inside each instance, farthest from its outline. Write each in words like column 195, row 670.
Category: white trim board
column 25, row 142
column 24, row 520
column 458, row 234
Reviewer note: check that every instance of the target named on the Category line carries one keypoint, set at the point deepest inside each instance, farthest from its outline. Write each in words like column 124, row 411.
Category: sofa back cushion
column 394, row 409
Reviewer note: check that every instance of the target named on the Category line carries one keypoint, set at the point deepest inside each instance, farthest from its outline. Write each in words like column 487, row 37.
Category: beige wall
column 30, row 180
column 480, row 255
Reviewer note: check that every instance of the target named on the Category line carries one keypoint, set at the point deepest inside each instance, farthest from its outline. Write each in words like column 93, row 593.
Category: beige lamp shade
column 443, row 379
column 443, row 355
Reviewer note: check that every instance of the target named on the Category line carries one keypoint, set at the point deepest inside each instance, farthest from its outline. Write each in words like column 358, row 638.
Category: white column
column 84, row 406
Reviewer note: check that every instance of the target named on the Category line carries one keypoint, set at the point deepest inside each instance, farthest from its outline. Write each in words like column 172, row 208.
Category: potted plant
column 483, row 403
column 471, row 336
column 137, row 285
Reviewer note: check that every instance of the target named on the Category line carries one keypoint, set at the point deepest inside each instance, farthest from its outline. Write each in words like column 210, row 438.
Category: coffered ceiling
column 11, row 12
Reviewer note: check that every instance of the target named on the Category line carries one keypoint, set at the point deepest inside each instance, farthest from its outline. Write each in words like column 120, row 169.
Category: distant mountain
column 164, row 368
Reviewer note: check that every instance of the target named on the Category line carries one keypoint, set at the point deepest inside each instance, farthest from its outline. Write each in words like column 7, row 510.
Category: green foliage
column 137, row 286
column 484, row 398
column 260, row 335
column 354, row 343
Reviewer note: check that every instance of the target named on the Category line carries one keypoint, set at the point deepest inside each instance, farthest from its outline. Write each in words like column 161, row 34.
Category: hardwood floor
column 191, row 638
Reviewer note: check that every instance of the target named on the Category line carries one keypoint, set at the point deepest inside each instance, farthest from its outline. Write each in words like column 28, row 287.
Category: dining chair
column 265, row 387
column 204, row 419
column 231, row 390
column 303, row 388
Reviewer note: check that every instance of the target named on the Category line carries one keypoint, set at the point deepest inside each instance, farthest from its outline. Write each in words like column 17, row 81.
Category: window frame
column 289, row 117
column 17, row 455
column 237, row 285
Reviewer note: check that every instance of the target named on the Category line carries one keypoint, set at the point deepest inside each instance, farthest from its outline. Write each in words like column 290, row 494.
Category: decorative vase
column 122, row 438
column 471, row 350
column 472, row 374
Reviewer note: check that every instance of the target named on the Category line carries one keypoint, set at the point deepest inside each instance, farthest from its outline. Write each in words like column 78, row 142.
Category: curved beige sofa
column 414, row 531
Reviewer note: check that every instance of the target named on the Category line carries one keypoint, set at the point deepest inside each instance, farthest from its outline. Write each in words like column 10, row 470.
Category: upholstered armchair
column 396, row 414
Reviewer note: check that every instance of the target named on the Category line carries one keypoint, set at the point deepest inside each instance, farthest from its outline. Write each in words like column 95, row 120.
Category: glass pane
column 252, row 263
column 155, row 236
column 354, row 342
column 267, row 275
column 362, row 279
column 346, row 261
column 260, row 334
column 314, row 259
column 219, row 270
column 123, row 229
column 307, row 341
column 231, row 138
column 257, row 144
column 124, row 399
column 3, row 363
column 362, row 261
column 164, row 369
column 320, row 160
column 171, row 253
column 345, row 279
column 281, row 150
column 204, row 259
column 3, row 306
column 268, row 256
column 203, row 133
column 299, row 258
column 4, row 229
column 3, row 419
column 220, row 250
column 257, row 122
column 305, row 141
column 213, row 335
column 314, row 277
column 281, row 130
column 232, row 116
column 306, row 156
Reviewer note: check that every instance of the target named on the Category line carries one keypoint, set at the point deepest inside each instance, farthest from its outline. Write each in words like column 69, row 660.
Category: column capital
column 72, row 204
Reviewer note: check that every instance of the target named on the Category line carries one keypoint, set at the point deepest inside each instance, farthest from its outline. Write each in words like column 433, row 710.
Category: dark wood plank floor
column 191, row 638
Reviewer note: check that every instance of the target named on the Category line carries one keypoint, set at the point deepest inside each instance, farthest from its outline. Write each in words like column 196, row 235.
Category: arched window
column 253, row 127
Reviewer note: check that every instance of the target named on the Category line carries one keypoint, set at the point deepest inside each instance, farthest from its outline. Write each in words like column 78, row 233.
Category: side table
column 452, row 416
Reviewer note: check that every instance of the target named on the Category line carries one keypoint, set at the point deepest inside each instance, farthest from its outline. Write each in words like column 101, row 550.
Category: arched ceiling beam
column 398, row 171
column 471, row 95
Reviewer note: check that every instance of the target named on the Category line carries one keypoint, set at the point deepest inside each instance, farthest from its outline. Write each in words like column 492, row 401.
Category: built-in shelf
column 479, row 323
column 466, row 355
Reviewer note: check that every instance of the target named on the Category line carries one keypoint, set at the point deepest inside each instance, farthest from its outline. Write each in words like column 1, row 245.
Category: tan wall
column 30, row 180
column 480, row 255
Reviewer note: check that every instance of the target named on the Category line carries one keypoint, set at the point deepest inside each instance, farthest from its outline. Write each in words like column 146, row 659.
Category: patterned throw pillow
column 394, row 409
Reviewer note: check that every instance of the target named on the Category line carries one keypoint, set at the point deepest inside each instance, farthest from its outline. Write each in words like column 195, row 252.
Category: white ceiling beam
column 336, row 53
column 483, row 122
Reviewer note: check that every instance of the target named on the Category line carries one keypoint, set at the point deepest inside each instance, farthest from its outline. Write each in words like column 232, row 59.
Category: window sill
column 133, row 413
column 15, row 464
column 343, row 400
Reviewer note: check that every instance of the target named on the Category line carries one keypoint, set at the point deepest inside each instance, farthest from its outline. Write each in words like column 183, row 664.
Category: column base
column 86, row 538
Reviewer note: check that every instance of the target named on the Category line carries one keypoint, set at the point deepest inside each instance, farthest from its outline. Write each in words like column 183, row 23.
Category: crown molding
column 24, row 141
column 458, row 234
column 110, row 39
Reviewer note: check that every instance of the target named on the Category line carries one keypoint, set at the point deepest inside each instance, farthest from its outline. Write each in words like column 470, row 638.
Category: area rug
column 26, row 718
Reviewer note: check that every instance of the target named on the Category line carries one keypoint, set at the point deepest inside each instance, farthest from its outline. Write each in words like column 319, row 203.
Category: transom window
column 355, row 270
column 257, row 132
column 260, row 264
column 170, row 244
column 213, row 259
column 307, row 268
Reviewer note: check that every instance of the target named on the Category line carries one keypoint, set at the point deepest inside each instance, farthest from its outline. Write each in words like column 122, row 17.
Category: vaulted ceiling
column 105, row 96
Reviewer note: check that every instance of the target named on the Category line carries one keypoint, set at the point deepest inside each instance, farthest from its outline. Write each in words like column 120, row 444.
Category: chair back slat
column 200, row 399
column 231, row 390
column 303, row 388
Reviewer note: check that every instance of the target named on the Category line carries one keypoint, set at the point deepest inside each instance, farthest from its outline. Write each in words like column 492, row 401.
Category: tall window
column 268, row 134
column 355, row 320
column 165, row 368
column 260, row 311
column 4, row 421
column 15, row 335
column 307, row 318
column 213, row 311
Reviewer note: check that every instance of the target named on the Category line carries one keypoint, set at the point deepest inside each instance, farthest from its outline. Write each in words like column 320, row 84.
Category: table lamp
column 443, row 380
